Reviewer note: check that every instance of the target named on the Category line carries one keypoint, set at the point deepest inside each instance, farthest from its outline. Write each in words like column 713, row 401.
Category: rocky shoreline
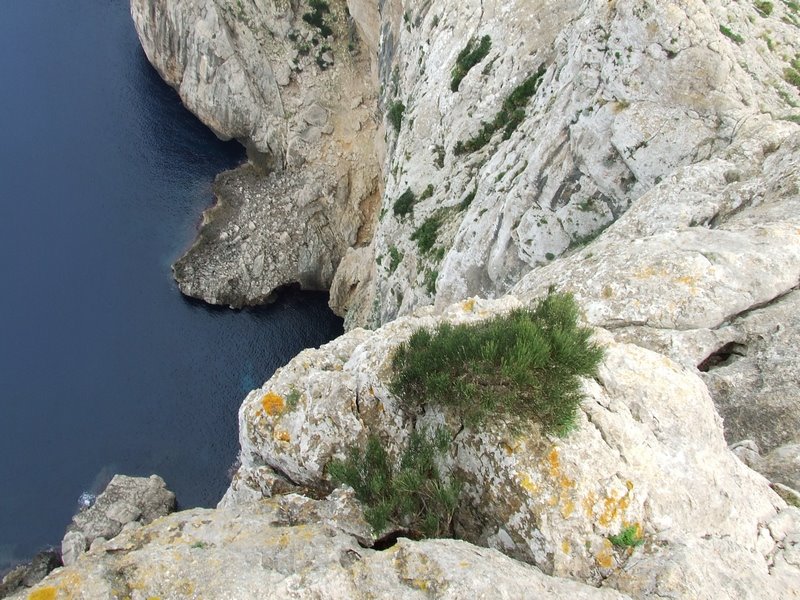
column 652, row 170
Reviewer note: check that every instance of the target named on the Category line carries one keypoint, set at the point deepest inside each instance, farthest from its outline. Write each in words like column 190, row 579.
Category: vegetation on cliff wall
column 517, row 368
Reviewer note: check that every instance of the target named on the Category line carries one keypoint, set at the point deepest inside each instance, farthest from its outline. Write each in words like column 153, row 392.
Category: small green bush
column 395, row 114
column 511, row 114
column 404, row 204
column 427, row 193
column 792, row 74
column 426, row 234
column 430, row 281
column 765, row 8
column 464, row 204
column 316, row 17
column 413, row 495
column 395, row 258
column 627, row 538
column 524, row 366
column 470, row 56
column 734, row 37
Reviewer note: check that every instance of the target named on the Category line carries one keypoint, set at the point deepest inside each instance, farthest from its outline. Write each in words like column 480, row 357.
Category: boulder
column 125, row 500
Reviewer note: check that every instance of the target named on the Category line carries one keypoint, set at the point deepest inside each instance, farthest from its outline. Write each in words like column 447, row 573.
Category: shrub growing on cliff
column 508, row 118
column 395, row 114
column 413, row 495
column 470, row 56
column 316, row 17
column 524, row 366
column 404, row 203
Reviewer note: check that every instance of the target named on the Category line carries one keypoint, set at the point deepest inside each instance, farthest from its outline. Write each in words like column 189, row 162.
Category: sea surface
column 104, row 366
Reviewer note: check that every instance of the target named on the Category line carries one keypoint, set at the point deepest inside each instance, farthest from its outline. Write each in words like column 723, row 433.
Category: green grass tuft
column 413, row 495
column 731, row 35
column 470, row 56
column 519, row 367
column 627, row 538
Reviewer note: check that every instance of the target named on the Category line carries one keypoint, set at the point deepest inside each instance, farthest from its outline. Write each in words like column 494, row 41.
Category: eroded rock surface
column 279, row 549
column 648, row 452
column 302, row 100
column 126, row 500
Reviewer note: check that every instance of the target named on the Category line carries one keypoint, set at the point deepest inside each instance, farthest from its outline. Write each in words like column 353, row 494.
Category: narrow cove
column 105, row 367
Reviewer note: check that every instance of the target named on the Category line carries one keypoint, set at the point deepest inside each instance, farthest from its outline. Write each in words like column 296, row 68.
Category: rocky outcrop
column 301, row 99
column 280, row 549
column 29, row 574
column 648, row 452
column 126, row 502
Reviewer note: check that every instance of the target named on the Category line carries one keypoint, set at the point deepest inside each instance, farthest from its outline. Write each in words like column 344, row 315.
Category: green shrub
column 404, row 204
column 470, row 56
column 524, row 366
column 316, row 17
column 413, row 495
column 734, row 37
column 395, row 258
column 511, row 114
column 430, row 281
column 627, row 538
column 765, row 8
column 464, row 204
column 426, row 234
column 792, row 75
column 395, row 114
column 427, row 193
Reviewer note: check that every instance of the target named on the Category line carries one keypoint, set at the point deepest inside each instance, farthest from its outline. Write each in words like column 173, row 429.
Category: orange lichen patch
column 552, row 500
column 45, row 593
column 282, row 435
column 565, row 547
column 613, row 506
column 554, row 462
column 567, row 508
column 690, row 280
column 605, row 558
column 469, row 305
column 272, row 403
column 588, row 504
column 527, row 483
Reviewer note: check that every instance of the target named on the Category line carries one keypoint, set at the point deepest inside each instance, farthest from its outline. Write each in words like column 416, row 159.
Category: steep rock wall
column 300, row 97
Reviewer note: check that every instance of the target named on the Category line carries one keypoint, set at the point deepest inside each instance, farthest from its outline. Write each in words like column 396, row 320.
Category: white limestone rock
column 273, row 550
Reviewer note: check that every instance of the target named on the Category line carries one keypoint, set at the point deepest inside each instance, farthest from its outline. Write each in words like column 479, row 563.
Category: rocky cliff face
column 301, row 99
column 643, row 155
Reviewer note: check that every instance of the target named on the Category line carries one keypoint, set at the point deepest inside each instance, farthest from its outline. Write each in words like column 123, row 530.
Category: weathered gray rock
column 782, row 465
column 282, row 548
column 648, row 451
column 257, row 72
column 29, row 574
column 125, row 499
column 633, row 91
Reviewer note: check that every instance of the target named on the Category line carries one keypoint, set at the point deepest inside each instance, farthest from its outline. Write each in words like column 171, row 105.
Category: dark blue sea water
column 104, row 366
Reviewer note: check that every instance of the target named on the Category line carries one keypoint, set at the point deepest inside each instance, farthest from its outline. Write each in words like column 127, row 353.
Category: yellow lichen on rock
column 272, row 403
column 45, row 593
column 605, row 557
column 469, row 305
